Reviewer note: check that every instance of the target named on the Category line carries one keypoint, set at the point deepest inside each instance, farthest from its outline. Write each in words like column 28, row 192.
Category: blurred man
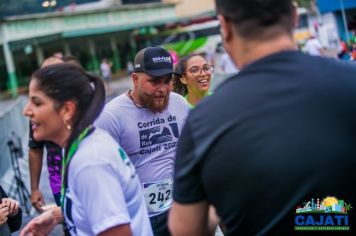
column 280, row 133
column 313, row 47
column 146, row 122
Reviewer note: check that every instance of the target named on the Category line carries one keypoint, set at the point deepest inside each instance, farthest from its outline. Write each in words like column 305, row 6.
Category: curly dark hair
column 181, row 67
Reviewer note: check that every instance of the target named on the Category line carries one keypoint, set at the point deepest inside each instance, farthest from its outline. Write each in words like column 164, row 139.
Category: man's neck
column 254, row 50
column 135, row 98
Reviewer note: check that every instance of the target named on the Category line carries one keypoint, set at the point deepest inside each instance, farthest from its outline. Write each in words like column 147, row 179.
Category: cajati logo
column 329, row 214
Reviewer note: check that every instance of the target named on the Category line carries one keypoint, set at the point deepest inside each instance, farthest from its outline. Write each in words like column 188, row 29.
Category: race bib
column 158, row 195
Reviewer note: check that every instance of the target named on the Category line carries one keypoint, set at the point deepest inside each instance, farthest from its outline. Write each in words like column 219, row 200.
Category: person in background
column 280, row 133
column 64, row 101
column 105, row 69
column 353, row 46
column 313, row 47
column 10, row 214
column 129, row 67
column 227, row 65
column 344, row 50
column 192, row 78
column 58, row 55
column 210, row 55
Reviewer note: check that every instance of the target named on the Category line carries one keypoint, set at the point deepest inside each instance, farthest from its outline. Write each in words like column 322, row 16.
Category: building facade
column 186, row 8
column 344, row 12
column 111, row 29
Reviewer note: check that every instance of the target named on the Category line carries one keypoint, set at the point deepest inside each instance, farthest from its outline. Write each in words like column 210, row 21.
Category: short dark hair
column 255, row 18
column 180, row 69
column 64, row 82
column 72, row 60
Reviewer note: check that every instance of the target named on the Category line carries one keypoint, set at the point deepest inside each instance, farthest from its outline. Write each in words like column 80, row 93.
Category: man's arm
column 44, row 223
column 190, row 212
column 192, row 219
column 35, row 165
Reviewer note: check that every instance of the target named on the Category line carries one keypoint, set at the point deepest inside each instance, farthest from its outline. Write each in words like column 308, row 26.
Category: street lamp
column 342, row 8
column 51, row 3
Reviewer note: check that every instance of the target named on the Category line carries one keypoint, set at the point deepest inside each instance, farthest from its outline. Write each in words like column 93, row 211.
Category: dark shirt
column 14, row 222
column 270, row 139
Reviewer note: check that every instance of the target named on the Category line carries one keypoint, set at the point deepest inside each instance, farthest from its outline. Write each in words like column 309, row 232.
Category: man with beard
column 146, row 122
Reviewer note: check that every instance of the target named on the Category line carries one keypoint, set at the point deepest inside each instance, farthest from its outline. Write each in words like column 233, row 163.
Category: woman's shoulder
column 96, row 144
column 101, row 139
column 176, row 98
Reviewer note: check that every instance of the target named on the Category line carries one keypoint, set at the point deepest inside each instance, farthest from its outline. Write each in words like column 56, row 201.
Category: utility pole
column 342, row 8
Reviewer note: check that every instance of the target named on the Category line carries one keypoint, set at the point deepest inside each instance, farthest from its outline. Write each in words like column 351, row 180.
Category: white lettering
column 162, row 59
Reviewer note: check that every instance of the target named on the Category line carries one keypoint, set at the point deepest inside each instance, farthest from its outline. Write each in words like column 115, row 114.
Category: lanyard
column 65, row 161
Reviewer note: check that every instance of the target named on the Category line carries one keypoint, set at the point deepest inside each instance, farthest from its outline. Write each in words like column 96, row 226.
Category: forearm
column 213, row 220
column 35, row 165
column 58, row 215
column 189, row 219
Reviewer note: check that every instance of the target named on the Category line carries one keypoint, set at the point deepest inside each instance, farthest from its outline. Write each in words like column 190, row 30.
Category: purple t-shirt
column 54, row 161
column 54, row 165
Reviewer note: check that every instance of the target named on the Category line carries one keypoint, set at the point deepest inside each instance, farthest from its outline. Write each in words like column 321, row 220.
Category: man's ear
column 134, row 78
column 225, row 29
column 68, row 111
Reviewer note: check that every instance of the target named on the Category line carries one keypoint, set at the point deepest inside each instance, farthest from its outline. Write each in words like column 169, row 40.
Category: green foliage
column 304, row 3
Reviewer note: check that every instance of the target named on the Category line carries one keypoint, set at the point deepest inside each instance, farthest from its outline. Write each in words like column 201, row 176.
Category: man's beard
column 148, row 102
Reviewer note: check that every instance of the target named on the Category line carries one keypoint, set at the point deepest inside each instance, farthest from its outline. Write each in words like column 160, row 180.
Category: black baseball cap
column 155, row 61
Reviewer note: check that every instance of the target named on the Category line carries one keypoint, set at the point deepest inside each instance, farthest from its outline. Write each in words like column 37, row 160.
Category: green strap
column 65, row 161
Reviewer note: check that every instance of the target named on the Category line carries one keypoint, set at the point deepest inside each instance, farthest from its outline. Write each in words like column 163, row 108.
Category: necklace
column 130, row 96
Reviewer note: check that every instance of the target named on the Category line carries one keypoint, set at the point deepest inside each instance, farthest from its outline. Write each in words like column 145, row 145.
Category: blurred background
column 31, row 30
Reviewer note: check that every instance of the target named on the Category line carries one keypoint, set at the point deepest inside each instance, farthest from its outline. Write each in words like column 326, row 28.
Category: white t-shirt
column 105, row 70
column 150, row 140
column 227, row 65
column 103, row 189
column 313, row 47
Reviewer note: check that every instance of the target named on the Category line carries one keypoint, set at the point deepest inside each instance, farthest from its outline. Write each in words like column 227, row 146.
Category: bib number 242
column 158, row 195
